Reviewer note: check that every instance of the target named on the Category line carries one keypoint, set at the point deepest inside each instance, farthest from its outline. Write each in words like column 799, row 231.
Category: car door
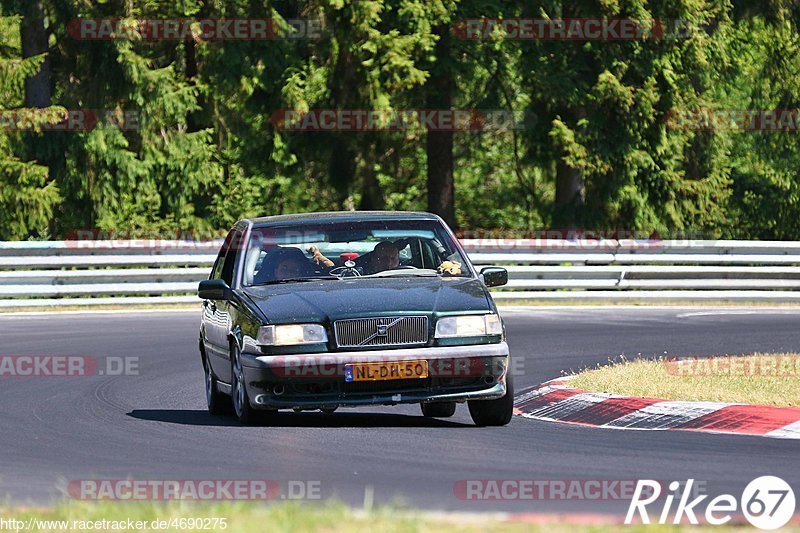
column 216, row 315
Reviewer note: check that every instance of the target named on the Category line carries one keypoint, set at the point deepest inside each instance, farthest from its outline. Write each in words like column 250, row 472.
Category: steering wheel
column 406, row 267
column 349, row 270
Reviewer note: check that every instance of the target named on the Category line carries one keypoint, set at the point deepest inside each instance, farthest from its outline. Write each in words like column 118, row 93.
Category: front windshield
column 301, row 252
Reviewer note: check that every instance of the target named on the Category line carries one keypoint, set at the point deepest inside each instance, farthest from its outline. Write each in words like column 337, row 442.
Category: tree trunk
column 570, row 191
column 569, row 196
column 344, row 150
column 34, row 42
column 371, row 193
column 342, row 169
column 193, row 118
column 439, row 145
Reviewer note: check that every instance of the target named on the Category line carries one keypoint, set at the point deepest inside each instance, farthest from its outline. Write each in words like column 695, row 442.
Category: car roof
column 342, row 216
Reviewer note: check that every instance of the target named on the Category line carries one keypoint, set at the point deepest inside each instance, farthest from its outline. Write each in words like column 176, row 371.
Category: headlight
column 291, row 334
column 468, row 326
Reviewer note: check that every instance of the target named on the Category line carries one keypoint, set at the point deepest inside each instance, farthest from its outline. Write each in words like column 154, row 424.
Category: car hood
column 318, row 301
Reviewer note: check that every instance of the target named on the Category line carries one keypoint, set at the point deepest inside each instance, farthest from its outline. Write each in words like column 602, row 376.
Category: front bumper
column 312, row 381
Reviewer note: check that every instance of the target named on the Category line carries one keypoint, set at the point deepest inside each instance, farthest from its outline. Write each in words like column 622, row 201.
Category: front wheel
column 241, row 403
column 438, row 409
column 494, row 412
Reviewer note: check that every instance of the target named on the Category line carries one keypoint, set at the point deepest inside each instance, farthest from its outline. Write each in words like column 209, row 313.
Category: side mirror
column 213, row 289
column 494, row 276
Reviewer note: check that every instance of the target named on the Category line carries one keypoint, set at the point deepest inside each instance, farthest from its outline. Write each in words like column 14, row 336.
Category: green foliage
column 27, row 197
column 197, row 148
column 764, row 165
column 603, row 106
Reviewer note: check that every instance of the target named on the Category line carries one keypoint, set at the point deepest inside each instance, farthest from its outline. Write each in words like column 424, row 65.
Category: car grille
column 384, row 331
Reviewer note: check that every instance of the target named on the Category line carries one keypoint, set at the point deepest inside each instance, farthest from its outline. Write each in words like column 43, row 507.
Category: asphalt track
column 154, row 425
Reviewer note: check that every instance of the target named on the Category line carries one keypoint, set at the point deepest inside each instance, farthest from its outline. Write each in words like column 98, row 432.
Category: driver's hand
column 318, row 258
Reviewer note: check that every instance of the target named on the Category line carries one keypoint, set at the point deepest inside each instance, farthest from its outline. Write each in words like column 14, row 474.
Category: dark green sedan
column 328, row 310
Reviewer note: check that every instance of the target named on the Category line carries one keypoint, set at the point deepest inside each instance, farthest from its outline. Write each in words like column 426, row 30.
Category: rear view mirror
column 494, row 276
column 213, row 289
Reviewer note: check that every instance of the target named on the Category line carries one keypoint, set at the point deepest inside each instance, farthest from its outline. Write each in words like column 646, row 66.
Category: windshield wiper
column 294, row 280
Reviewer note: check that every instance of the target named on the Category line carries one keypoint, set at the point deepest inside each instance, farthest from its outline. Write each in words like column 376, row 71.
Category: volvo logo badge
column 381, row 330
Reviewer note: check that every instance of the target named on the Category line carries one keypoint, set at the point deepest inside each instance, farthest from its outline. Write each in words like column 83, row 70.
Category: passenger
column 385, row 256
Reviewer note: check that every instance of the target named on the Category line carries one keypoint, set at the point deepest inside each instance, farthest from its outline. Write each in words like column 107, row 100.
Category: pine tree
column 602, row 108
column 27, row 196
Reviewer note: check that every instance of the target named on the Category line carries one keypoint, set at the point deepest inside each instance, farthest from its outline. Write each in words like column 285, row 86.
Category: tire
column 242, row 409
column 217, row 403
column 494, row 412
column 438, row 409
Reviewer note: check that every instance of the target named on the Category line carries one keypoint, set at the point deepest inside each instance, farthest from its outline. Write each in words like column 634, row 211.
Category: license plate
column 386, row 371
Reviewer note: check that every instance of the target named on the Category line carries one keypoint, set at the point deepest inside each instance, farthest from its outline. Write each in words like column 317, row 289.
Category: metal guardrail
column 127, row 272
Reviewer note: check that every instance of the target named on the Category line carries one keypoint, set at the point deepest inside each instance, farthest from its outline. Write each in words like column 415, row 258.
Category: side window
column 216, row 271
column 235, row 244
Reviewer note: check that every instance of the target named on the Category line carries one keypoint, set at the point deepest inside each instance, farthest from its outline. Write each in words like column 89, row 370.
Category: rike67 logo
column 767, row 502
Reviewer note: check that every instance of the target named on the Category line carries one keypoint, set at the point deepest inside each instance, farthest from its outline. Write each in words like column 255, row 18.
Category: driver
column 385, row 256
column 284, row 263
column 291, row 268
